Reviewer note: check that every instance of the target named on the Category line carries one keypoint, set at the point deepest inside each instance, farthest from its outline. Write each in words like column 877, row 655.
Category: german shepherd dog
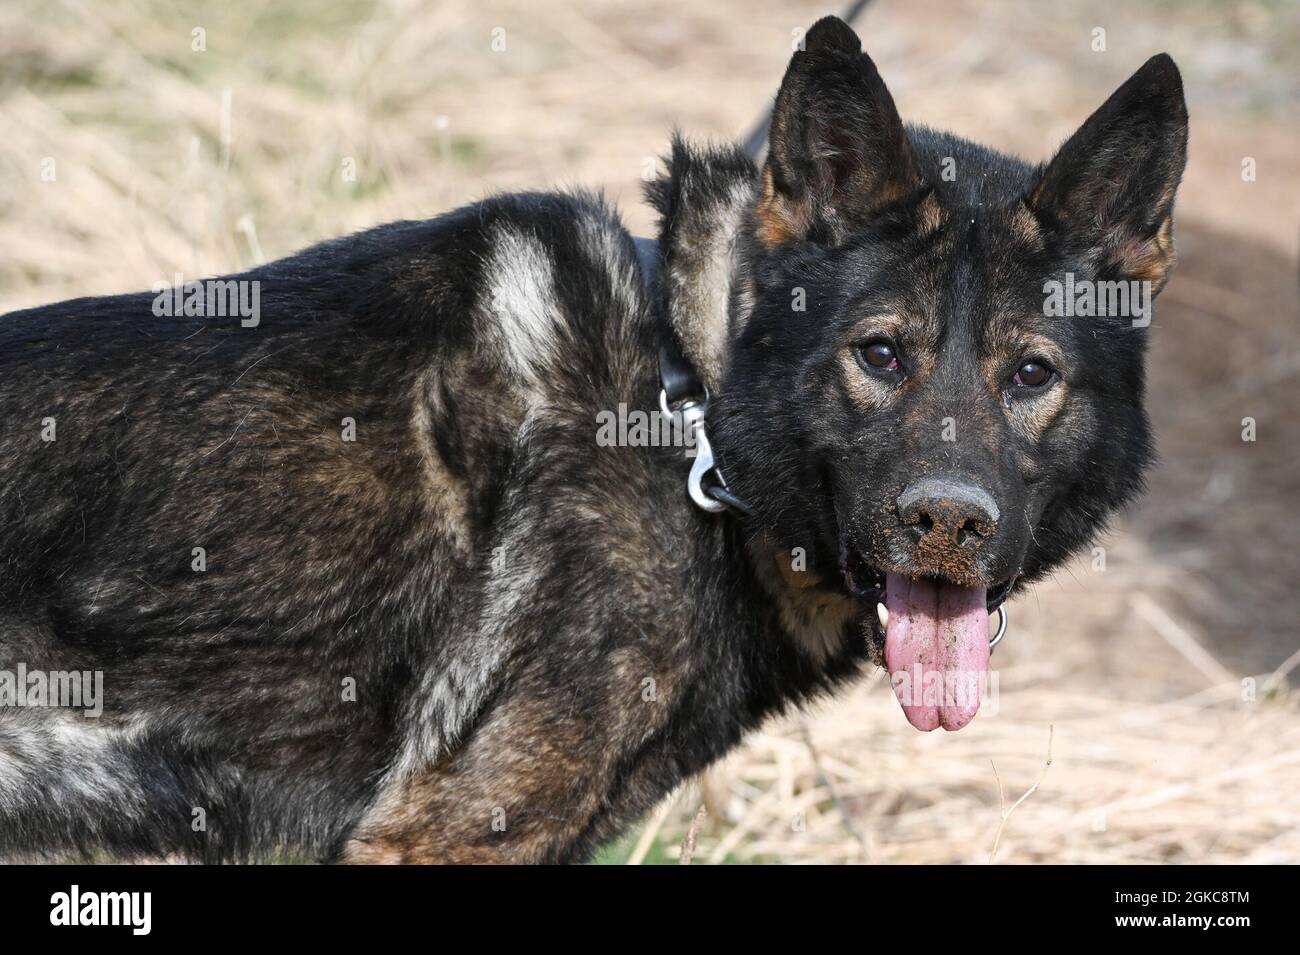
column 362, row 584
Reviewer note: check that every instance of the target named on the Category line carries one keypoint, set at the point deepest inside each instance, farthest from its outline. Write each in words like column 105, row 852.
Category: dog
column 362, row 583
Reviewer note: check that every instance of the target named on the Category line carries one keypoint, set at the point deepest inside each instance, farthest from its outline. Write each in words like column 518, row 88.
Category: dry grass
column 1206, row 778
column 173, row 160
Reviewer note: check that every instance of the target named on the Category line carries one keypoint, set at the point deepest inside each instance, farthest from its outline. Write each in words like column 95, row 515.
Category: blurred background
column 141, row 139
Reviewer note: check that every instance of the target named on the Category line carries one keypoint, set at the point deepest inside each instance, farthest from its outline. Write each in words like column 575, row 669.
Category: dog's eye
column 878, row 354
column 1032, row 374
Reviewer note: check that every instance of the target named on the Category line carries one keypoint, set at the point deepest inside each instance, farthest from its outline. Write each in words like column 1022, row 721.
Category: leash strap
column 683, row 394
column 676, row 376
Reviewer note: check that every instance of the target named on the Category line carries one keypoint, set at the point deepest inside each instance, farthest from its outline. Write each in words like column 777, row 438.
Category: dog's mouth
column 936, row 640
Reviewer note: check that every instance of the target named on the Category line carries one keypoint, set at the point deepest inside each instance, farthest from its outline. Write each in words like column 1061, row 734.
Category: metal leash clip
column 692, row 413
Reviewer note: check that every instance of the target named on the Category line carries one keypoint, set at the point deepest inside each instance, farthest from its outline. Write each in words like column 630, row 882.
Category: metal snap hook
column 703, row 467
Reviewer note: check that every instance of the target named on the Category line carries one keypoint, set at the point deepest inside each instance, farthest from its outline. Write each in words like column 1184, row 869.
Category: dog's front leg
column 531, row 783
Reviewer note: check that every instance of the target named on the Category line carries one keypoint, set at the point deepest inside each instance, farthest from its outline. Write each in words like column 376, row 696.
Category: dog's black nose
column 949, row 507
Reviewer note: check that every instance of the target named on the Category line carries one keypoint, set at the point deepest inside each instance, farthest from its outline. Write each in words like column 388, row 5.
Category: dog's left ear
column 837, row 150
column 1109, row 192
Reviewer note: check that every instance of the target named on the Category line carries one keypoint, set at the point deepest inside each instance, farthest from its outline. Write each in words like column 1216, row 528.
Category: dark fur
column 501, row 588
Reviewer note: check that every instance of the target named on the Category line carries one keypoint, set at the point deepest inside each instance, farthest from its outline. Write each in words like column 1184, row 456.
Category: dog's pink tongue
column 936, row 649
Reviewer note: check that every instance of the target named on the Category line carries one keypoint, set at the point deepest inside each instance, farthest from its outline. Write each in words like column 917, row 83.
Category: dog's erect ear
column 1109, row 192
column 837, row 150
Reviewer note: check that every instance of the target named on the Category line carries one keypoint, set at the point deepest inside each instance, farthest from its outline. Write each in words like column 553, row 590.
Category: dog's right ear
column 837, row 150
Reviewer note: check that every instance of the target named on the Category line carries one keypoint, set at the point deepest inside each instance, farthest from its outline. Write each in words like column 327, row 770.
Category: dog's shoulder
column 558, row 289
column 545, row 287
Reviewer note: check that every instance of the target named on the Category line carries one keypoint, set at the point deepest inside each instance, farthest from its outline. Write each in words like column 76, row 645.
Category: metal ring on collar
column 1002, row 627
column 681, row 404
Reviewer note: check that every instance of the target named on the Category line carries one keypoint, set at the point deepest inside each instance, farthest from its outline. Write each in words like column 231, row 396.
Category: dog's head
column 921, row 398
